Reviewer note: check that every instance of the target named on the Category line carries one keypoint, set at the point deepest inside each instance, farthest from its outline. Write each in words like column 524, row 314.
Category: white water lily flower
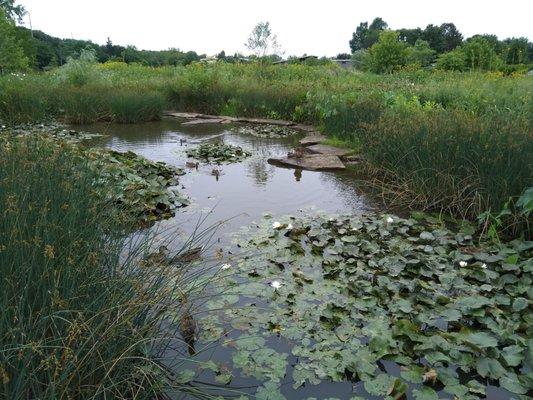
column 225, row 267
column 390, row 220
column 275, row 284
column 463, row 264
column 289, row 227
column 276, row 225
column 484, row 266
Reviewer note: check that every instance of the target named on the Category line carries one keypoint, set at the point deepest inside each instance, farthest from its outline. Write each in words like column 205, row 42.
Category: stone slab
column 325, row 149
column 311, row 162
column 312, row 139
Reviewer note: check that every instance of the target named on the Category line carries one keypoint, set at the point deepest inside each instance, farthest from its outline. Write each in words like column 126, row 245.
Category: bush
column 452, row 61
column 388, row 54
column 80, row 71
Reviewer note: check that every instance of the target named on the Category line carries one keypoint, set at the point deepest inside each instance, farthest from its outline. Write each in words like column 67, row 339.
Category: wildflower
column 463, row 264
column 276, row 225
column 49, row 251
column 289, row 227
column 275, row 284
column 225, row 267
column 390, row 220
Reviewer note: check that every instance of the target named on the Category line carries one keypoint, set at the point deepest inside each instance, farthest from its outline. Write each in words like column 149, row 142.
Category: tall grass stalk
column 81, row 317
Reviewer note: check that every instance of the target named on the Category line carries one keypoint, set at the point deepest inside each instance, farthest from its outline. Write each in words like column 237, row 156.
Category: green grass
column 454, row 142
column 79, row 318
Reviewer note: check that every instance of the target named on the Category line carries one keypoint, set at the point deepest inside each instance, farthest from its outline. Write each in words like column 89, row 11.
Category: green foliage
column 421, row 54
column 12, row 58
column 354, row 293
column 480, row 55
column 388, row 54
column 79, row 315
column 452, row 61
column 11, row 10
column 218, row 153
column 80, row 71
column 366, row 36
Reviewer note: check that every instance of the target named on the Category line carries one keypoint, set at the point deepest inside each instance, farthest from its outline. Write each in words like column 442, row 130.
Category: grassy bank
column 456, row 142
column 79, row 318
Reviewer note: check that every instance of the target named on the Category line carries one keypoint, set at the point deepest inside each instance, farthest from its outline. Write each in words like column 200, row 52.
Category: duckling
column 191, row 164
column 188, row 329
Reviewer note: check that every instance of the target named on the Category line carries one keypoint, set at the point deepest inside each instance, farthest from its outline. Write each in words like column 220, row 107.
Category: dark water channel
column 242, row 194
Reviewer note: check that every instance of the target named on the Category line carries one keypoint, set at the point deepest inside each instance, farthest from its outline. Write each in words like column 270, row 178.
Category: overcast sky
column 303, row 26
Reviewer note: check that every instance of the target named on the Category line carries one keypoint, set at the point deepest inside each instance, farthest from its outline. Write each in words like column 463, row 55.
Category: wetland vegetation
column 111, row 290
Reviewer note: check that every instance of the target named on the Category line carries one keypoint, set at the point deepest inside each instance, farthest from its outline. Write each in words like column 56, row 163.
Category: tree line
column 378, row 49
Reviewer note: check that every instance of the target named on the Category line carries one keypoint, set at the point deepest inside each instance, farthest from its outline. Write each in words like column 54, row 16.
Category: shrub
column 80, row 71
column 388, row 54
column 452, row 61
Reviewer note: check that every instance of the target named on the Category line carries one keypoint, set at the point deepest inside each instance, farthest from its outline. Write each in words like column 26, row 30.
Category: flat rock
column 206, row 121
column 306, row 128
column 311, row 162
column 265, row 121
column 325, row 149
column 312, row 139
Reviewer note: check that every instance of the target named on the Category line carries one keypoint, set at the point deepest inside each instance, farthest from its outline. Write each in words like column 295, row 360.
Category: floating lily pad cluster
column 355, row 295
column 268, row 131
column 55, row 130
column 218, row 153
column 142, row 188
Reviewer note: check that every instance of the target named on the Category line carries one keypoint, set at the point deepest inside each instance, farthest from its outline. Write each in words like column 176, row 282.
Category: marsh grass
column 81, row 317
column 460, row 142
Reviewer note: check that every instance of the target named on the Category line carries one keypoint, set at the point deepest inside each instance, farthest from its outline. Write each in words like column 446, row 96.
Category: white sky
column 303, row 26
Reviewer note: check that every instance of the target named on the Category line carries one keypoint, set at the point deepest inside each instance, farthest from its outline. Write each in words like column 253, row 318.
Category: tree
column 366, row 36
column 410, row 35
column 442, row 38
column 480, row 54
column 12, row 58
column 12, row 11
column 262, row 42
column 517, row 50
column 388, row 54
column 421, row 54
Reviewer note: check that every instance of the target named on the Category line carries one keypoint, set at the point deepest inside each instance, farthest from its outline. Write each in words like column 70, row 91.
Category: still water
column 243, row 193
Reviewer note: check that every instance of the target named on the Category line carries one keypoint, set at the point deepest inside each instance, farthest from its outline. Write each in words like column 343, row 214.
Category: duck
column 216, row 173
column 191, row 164
column 157, row 258
column 297, row 153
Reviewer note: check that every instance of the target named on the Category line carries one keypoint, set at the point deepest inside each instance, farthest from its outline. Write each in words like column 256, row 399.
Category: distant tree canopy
column 12, row 57
column 443, row 46
column 365, row 36
column 45, row 51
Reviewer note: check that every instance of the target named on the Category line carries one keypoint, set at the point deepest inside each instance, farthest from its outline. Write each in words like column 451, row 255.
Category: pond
column 244, row 353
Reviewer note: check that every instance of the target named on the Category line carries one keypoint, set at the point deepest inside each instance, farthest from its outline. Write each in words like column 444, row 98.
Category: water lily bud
column 225, row 267
column 390, row 220
column 276, row 225
column 463, row 264
column 289, row 227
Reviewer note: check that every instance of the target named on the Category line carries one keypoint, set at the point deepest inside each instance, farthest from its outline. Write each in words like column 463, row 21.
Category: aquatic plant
column 218, row 153
column 352, row 294
column 268, row 131
column 80, row 318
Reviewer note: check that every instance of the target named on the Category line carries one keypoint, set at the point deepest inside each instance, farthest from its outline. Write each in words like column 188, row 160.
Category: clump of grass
column 81, row 318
